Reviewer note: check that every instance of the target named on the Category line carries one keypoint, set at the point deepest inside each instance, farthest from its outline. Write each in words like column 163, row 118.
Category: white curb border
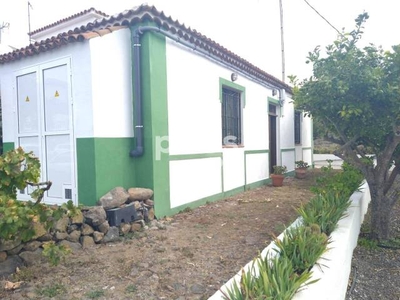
column 334, row 276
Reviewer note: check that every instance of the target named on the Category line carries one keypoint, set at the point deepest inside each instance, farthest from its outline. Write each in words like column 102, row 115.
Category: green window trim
column 223, row 82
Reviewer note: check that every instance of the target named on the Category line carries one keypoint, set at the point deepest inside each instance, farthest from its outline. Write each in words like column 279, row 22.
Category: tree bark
column 380, row 213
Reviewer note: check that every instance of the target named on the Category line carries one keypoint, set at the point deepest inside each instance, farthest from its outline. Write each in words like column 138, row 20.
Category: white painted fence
column 334, row 275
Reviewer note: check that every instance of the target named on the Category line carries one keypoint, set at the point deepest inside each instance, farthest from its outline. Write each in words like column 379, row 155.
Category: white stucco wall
column 112, row 84
column 79, row 56
column 257, row 167
column 194, row 123
column 188, row 185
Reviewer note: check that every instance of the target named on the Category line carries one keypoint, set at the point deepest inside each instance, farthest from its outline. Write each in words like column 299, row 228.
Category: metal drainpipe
column 139, row 150
column 137, row 96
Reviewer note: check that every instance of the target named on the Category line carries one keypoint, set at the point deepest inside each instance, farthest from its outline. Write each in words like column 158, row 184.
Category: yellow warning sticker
column 56, row 94
column 27, row 99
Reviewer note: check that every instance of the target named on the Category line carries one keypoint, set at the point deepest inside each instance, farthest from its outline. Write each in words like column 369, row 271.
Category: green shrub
column 303, row 246
column 277, row 280
column 55, row 253
column 17, row 218
column 325, row 210
column 344, row 183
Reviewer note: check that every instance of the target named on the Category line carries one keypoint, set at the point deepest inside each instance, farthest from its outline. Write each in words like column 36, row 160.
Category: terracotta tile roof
column 86, row 11
column 137, row 15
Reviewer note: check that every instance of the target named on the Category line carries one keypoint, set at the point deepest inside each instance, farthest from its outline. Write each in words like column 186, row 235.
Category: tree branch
column 389, row 182
column 41, row 189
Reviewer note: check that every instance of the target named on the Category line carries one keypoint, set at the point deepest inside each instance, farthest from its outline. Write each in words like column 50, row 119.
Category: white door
column 45, row 126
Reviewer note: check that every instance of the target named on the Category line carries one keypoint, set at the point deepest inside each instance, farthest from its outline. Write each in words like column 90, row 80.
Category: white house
column 138, row 99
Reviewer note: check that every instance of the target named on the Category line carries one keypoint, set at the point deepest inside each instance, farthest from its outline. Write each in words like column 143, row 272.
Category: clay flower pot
column 277, row 180
column 300, row 173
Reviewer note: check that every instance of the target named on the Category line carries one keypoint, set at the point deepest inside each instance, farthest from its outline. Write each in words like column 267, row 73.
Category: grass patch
column 95, row 294
column 131, row 288
column 51, row 291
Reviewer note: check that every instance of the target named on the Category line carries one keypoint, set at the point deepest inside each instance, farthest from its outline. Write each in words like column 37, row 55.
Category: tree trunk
column 380, row 213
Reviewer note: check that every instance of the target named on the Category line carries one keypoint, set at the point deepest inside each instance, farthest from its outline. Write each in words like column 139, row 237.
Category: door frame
column 38, row 70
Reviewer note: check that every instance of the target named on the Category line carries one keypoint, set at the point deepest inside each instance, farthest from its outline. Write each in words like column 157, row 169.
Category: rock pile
column 85, row 228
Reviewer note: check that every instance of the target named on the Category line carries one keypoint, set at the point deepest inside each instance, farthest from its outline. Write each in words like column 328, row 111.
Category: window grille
column 297, row 127
column 231, row 117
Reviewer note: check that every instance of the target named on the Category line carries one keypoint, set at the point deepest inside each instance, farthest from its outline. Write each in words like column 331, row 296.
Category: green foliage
column 131, row 288
column 301, row 164
column 51, row 291
column 342, row 183
column 303, row 246
column 17, row 168
column 367, row 243
column 95, row 294
column 17, row 218
column 277, row 280
column 279, row 170
column 325, row 210
column 55, row 253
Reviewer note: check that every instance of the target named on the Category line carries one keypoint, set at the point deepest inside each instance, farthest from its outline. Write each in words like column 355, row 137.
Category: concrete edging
column 336, row 262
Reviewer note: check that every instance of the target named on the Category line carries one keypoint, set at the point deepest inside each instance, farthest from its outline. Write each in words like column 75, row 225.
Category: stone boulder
column 139, row 194
column 71, row 245
column 87, row 229
column 95, row 215
column 39, row 230
column 103, row 227
column 112, row 235
column 31, row 258
column 87, row 241
column 9, row 266
column 62, row 224
column 32, row 245
column 77, row 218
column 98, row 236
column 9, row 244
column 114, row 198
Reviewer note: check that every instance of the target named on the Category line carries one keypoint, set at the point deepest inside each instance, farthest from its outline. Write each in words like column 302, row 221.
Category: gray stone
column 45, row 238
column 125, row 228
column 95, row 215
column 61, row 236
column 87, row 229
column 104, row 227
column 136, row 226
column 71, row 245
column 32, row 257
column 98, row 236
column 72, row 227
column 62, row 224
column 9, row 266
column 3, row 256
column 114, row 198
column 77, row 218
column 197, row 289
column 137, row 205
column 9, row 244
column 15, row 250
column 149, row 202
column 74, row 236
column 39, row 230
column 87, row 241
column 112, row 235
column 140, row 194
column 32, row 245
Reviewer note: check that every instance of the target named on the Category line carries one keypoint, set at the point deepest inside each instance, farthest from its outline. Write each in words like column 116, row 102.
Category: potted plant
column 277, row 176
column 301, row 169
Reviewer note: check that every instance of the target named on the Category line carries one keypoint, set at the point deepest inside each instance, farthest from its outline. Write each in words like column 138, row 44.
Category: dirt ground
column 197, row 252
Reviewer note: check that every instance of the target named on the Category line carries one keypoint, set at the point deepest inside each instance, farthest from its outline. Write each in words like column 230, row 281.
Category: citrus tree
column 355, row 93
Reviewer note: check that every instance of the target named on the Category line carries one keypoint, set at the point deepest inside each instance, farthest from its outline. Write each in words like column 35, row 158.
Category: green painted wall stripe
column 7, row 146
column 103, row 164
column 194, row 156
column 224, row 82
column 306, row 148
column 288, row 149
column 152, row 169
column 219, row 196
column 256, row 151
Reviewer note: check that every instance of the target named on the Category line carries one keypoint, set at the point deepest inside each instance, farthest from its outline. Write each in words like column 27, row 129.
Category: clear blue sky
column 249, row 28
